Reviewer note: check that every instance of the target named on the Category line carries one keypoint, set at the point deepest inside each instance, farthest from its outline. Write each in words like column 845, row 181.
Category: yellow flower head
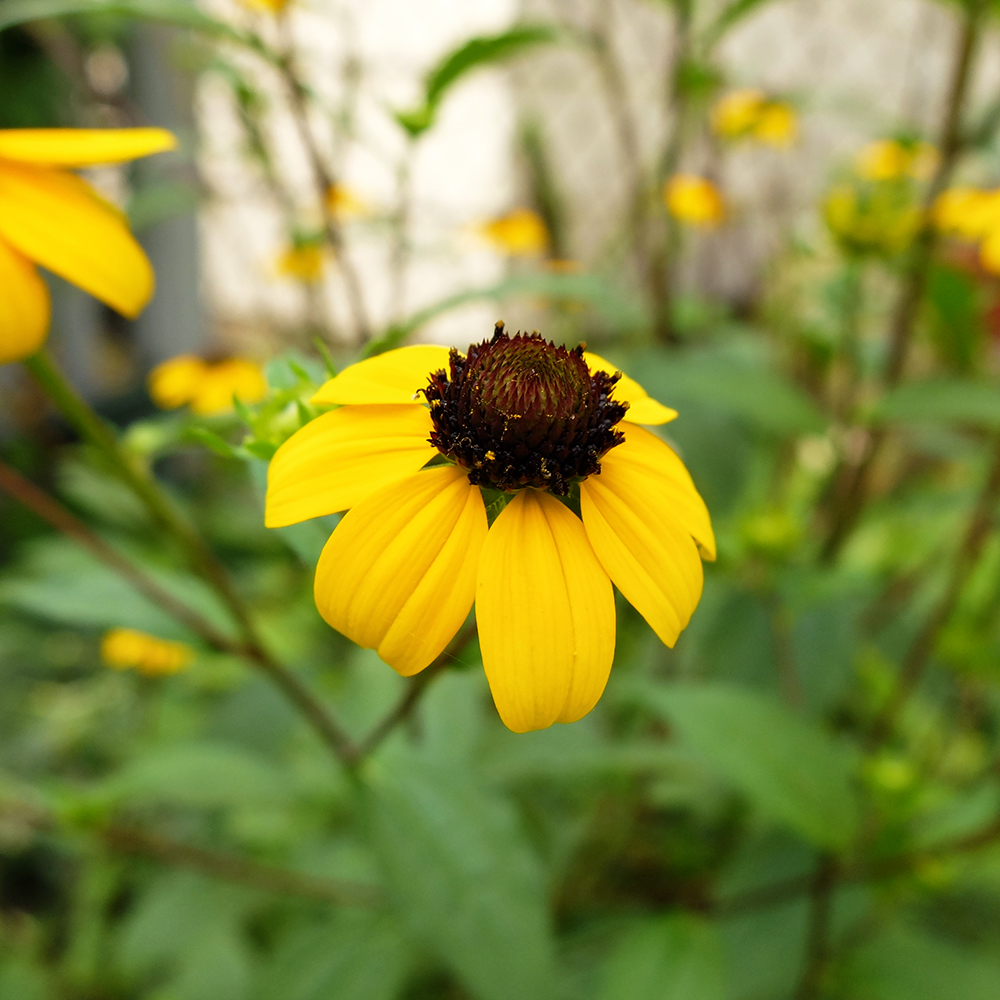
column 890, row 159
column 522, row 425
column 521, row 233
column 877, row 221
column 694, row 200
column 208, row 387
column 749, row 113
column 304, row 262
column 344, row 203
column 269, row 6
column 52, row 218
column 968, row 212
column 130, row 649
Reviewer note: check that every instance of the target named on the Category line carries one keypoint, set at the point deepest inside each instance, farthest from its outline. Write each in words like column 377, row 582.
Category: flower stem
column 93, row 430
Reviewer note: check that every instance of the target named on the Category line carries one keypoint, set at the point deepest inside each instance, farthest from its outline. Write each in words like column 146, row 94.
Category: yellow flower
column 876, row 221
column 521, row 233
column 52, row 218
column 344, row 203
column 537, row 428
column 693, row 200
column 270, row 6
column 130, row 649
column 304, row 262
column 750, row 113
column 889, row 160
column 209, row 388
column 968, row 212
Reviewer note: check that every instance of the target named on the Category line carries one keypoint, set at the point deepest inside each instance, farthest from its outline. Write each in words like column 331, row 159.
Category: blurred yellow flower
column 344, row 203
column 304, row 262
column 876, row 221
column 694, row 200
column 520, row 233
column 207, row 387
column 968, row 212
column 415, row 550
column 890, row 159
column 130, row 649
column 50, row 217
column 751, row 114
column 270, row 6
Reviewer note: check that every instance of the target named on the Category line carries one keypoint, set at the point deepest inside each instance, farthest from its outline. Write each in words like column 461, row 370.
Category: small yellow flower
column 344, row 203
column 751, row 114
column 130, row 649
column 529, row 423
column 304, row 261
column 521, row 233
column 877, row 221
column 694, row 200
column 269, row 6
column 890, row 159
column 968, row 212
column 52, row 218
column 208, row 387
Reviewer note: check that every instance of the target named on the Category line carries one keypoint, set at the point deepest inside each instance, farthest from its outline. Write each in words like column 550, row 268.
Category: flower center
column 519, row 411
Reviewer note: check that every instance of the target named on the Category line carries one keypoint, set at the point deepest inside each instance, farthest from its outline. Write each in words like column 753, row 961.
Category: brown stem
column 823, row 884
column 128, row 839
column 851, row 489
column 298, row 97
column 918, row 655
column 418, row 684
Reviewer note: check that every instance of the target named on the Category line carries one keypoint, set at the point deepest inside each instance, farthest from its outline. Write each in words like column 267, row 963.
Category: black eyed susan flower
column 586, row 498
column 208, row 387
column 52, row 218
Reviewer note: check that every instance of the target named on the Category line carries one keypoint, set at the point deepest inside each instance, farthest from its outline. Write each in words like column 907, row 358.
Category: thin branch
column 817, row 959
column 128, row 839
column 851, row 481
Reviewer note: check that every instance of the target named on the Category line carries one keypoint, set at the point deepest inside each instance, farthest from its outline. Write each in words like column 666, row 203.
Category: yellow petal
column 82, row 147
column 392, row 377
column 546, row 614
column 174, row 382
column 643, row 409
column 24, row 306
column 399, row 573
column 642, row 545
column 665, row 475
column 56, row 220
column 233, row 377
column 340, row 458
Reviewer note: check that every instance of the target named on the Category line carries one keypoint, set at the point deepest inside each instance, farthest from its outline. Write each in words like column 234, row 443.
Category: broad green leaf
column 670, row 958
column 351, row 957
column 465, row 879
column 181, row 13
column 786, row 766
column 199, row 774
column 476, row 52
column 949, row 401
column 903, row 963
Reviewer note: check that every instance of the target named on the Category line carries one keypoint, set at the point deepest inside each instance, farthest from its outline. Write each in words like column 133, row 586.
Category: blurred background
column 781, row 217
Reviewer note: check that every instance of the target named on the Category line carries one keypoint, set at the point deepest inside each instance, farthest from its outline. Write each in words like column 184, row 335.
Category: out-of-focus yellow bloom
column 890, row 160
column 304, row 262
column 694, row 200
column 52, row 218
column 968, row 212
column 520, row 233
column 989, row 252
column 344, row 203
column 270, row 6
column 876, row 221
column 751, row 114
column 208, row 388
column 130, row 649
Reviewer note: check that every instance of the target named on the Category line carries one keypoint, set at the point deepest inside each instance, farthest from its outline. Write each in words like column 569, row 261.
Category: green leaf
column 212, row 441
column 786, row 767
column 947, row 401
column 485, row 50
column 465, row 878
column 180, row 13
column 904, row 963
column 671, row 958
column 351, row 957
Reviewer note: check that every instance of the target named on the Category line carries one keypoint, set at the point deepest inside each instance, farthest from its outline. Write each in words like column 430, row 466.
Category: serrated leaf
column 464, row 877
column 476, row 52
column 785, row 765
column 670, row 958
column 948, row 401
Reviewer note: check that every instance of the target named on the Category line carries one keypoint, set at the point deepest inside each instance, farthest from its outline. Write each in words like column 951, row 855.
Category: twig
column 418, row 684
column 851, row 483
column 817, row 959
column 918, row 655
column 230, row 868
column 298, row 99
column 94, row 430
